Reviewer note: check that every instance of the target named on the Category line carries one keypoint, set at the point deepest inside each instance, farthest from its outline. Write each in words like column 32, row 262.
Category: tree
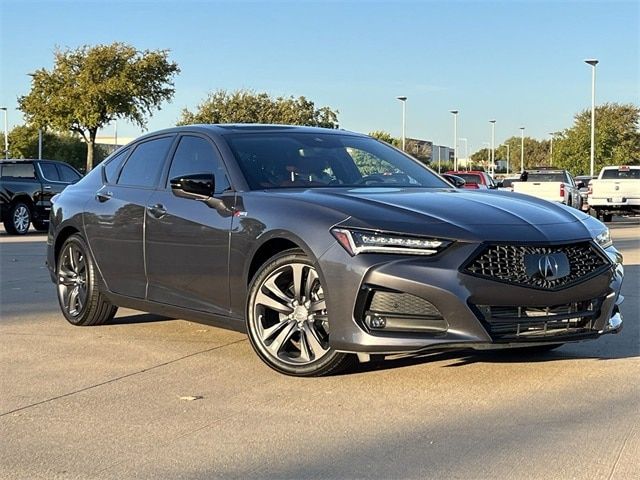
column 247, row 106
column 385, row 137
column 536, row 154
column 91, row 86
column 66, row 147
column 617, row 139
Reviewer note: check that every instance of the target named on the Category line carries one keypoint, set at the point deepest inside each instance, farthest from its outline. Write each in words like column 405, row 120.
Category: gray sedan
column 325, row 246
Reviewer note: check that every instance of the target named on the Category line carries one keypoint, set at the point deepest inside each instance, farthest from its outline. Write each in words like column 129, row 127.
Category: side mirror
column 200, row 186
column 195, row 187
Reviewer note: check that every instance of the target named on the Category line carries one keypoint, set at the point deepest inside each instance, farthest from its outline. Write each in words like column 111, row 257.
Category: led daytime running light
column 356, row 242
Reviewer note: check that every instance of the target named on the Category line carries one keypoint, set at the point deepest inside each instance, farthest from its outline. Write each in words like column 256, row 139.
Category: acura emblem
column 548, row 266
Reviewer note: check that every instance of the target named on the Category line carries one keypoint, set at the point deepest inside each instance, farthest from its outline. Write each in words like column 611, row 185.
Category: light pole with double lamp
column 404, row 120
column 593, row 62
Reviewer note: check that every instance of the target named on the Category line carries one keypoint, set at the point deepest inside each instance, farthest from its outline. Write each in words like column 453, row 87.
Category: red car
column 475, row 179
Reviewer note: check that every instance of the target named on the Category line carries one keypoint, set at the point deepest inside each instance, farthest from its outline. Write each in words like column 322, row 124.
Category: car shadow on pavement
column 461, row 358
column 137, row 318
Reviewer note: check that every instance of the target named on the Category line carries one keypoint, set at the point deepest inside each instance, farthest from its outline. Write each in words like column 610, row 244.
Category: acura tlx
column 325, row 246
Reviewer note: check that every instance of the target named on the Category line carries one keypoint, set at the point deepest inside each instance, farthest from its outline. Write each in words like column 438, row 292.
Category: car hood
column 454, row 213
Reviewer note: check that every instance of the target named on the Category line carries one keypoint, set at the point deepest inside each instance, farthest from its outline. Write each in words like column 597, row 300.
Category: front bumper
column 456, row 296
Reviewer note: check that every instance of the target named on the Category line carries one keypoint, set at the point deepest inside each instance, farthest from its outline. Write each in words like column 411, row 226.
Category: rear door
column 115, row 217
column 187, row 242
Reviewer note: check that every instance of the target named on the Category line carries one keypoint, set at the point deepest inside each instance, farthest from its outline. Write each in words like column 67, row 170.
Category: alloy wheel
column 72, row 280
column 21, row 218
column 290, row 315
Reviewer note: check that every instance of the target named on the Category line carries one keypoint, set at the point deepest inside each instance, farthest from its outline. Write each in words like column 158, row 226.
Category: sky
column 518, row 62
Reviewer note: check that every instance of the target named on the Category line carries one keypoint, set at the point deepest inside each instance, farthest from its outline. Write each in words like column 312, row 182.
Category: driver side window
column 196, row 155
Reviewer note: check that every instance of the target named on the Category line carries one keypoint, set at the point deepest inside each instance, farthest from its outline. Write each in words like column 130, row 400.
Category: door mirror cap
column 199, row 186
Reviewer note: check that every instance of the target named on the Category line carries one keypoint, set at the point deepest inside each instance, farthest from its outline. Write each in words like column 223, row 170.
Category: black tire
column 18, row 219
column 288, row 326
column 80, row 300
column 40, row 225
column 607, row 217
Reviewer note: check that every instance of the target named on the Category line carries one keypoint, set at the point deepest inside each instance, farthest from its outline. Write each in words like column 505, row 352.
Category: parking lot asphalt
column 149, row 397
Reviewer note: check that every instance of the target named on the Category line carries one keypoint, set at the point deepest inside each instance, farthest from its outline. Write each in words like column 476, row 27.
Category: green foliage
column 65, row 147
column 386, row 137
column 247, row 106
column 536, row 154
column 617, row 139
column 91, row 86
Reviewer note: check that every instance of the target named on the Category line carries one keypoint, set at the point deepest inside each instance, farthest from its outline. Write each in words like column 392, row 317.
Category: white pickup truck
column 550, row 184
column 616, row 190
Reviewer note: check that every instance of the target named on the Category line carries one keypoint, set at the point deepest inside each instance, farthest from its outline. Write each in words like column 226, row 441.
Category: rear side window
column 112, row 167
column 18, row 170
column 50, row 172
column 145, row 163
column 68, row 174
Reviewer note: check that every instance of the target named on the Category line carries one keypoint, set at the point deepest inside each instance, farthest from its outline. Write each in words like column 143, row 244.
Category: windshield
column 281, row 160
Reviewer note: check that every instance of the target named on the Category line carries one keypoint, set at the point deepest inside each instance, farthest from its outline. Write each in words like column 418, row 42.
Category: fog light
column 375, row 322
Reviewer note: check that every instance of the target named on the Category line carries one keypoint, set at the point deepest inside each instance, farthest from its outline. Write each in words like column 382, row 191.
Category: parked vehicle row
column 26, row 189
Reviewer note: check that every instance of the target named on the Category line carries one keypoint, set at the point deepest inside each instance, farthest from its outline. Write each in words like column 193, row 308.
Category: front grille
column 515, row 323
column 506, row 263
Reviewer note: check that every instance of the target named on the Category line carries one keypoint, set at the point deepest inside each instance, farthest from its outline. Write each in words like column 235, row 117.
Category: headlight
column 604, row 238
column 360, row 241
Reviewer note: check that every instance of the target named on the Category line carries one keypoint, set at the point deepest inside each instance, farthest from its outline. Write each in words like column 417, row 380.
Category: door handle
column 103, row 196
column 157, row 210
column 47, row 187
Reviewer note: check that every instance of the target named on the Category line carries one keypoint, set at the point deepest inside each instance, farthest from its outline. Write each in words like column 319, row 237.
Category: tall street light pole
column 404, row 120
column 551, row 134
column 507, row 145
column 455, row 139
column 521, row 149
column 466, row 151
column 493, row 147
column 6, row 134
column 593, row 62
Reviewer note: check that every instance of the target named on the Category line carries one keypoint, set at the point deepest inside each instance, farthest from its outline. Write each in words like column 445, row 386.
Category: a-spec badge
column 549, row 266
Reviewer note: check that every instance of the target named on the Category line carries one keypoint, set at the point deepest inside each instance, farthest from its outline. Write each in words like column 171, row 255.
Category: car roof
column 229, row 128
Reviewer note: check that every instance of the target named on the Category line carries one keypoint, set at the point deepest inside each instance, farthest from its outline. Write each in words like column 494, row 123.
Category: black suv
column 26, row 189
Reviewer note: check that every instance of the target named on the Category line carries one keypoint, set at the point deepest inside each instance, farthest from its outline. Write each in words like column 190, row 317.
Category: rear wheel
column 18, row 220
column 287, row 318
column 78, row 295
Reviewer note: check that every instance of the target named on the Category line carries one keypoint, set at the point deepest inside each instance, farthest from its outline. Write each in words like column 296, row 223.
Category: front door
column 186, row 241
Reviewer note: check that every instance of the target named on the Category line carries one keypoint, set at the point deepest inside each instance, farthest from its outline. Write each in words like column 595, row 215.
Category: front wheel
column 81, row 301
column 287, row 318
